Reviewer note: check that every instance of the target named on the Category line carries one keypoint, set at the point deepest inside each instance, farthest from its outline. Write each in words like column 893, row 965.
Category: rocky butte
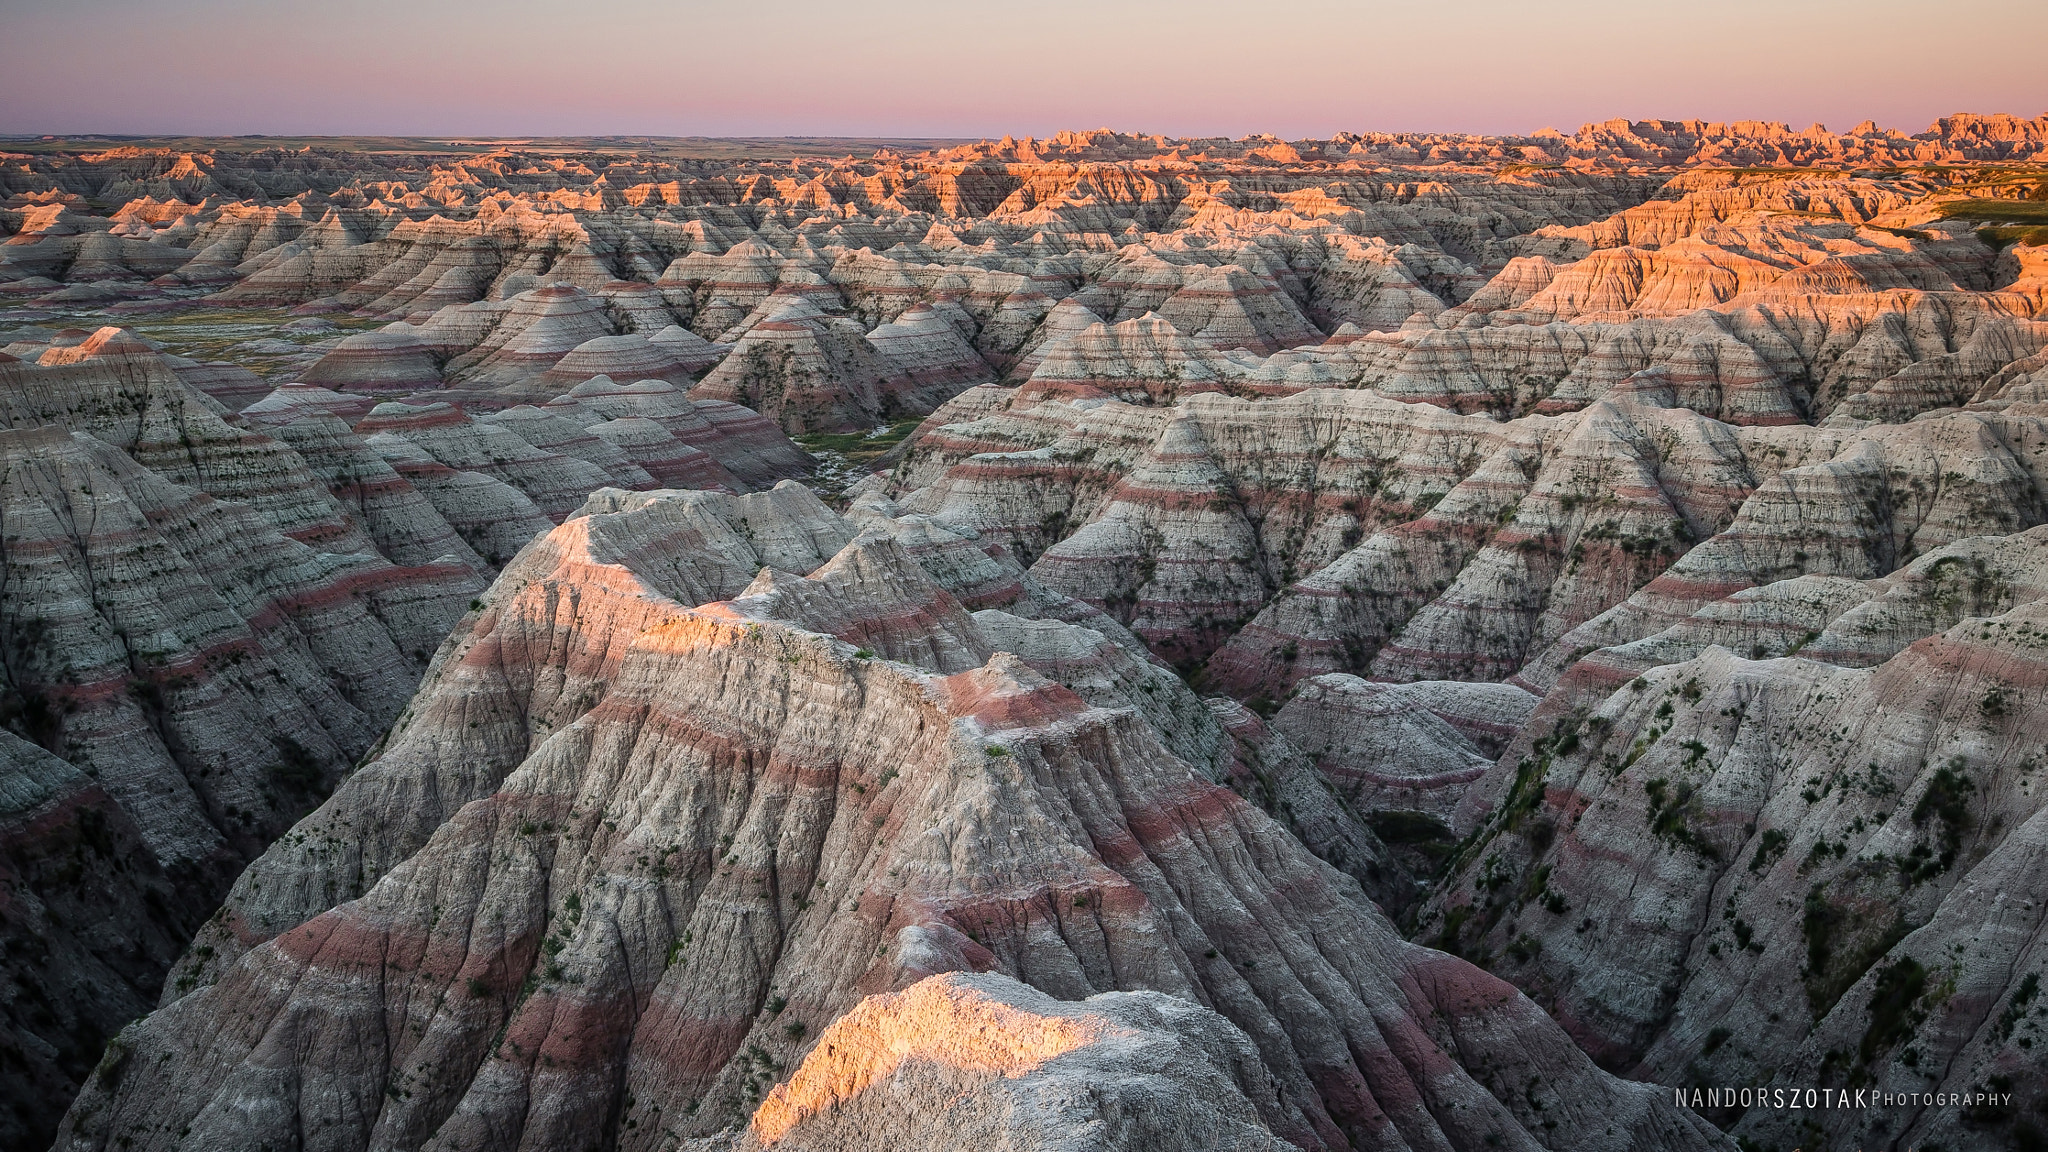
column 1097, row 642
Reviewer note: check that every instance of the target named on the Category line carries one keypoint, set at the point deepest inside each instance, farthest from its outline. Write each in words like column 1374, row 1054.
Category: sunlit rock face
column 1612, row 556
column 984, row 1061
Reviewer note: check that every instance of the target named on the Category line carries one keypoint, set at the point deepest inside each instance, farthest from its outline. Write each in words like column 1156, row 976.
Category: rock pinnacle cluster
column 1102, row 642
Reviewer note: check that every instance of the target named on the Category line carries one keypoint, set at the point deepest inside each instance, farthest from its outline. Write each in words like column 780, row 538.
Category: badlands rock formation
column 89, row 928
column 1613, row 556
column 1007, row 1065
column 622, row 881
column 210, row 618
column 1822, row 861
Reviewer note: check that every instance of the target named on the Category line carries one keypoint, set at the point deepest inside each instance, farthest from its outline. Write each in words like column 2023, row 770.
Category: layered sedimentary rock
column 552, row 432
column 89, row 927
column 402, row 520
column 625, row 357
column 1810, row 863
column 208, row 619
column 213, row 654
column 689, row 349
column 812, row 373
column 567, row 913
column 537, row 330
column 929, row 348
column 1282, row 514
column 491, row 516
column 1230, row 307
column 1142, row 359
column 984, row 1060
column 389, row 360
column 206, row 666
column 741, row 440
column 1401, row 747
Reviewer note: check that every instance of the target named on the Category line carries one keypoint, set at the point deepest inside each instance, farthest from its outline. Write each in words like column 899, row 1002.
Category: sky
column 958, row 68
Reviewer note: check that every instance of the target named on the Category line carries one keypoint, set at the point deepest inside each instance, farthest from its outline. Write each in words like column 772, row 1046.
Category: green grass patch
column 215, row 334
column 1841, row 945
column 2012, row 234
column 2020, row 212
column 860, row 449
column 1892, row 1019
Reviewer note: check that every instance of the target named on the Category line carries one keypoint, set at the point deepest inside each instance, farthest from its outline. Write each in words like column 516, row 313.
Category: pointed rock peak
column 1259, row 262
column 630, row 341
column 679, row 339
column 1181, row 439
column 768, row 582
column 651, row 388
column 873, row 594
column 875, row 564
column 794, row 276
column 108, row 341
column 1071, row 313
column 986, row 1030
column 517, row 414
column 920, row 318
column 596, row 386
column 1151, row 326
column 1238, row 278
column 753, row 248
column 289, row 402
column 798, row 311
column 554, row 295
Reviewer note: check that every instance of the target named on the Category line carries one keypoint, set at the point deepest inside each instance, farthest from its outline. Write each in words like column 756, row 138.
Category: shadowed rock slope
column 209, row 617
column 1794, row 870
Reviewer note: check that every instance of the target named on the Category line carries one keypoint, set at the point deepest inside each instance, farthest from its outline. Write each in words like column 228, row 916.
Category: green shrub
column 1899, row 986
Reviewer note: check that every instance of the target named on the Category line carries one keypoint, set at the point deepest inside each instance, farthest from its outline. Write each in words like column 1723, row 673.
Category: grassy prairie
column 2016, row 212
column 845, row 457
column 2005, row 221
column 218, row 334
column 859, row 448
column 2014, row 234
column 221, row 334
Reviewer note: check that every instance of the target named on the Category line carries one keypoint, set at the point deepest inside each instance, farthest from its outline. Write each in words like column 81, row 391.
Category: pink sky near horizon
column 926, row 68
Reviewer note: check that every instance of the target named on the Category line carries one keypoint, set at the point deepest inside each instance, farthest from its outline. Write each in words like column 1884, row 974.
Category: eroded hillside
column 1610, row 556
